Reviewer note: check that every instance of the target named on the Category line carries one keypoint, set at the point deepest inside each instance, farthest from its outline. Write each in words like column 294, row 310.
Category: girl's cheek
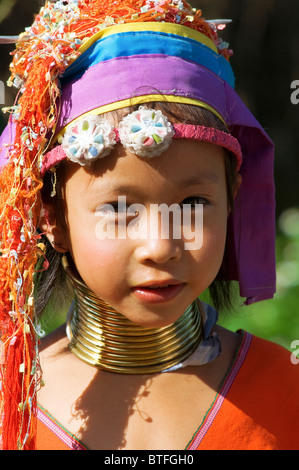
column 103, row 253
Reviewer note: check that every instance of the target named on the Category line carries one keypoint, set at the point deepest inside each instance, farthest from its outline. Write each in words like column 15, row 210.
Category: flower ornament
column 88, row 139
column 145, row 132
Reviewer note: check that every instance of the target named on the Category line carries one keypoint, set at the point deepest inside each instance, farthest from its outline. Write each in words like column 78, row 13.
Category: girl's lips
column 157, row 294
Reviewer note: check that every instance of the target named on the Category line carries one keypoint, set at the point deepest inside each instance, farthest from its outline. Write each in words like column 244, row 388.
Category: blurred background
column 264, row 36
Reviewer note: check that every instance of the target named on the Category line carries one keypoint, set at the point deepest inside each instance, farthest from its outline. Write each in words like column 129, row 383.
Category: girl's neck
column 102, row 337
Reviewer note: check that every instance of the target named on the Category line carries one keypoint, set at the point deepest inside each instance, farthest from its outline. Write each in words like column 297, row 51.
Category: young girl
column 134, row 176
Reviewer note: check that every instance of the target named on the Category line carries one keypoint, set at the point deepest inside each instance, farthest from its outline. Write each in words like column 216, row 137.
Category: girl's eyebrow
column 203, row 177
column 120, row 188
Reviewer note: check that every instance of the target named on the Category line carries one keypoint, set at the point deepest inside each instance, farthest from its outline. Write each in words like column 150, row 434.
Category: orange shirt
column 257, row 407
column 51, row 435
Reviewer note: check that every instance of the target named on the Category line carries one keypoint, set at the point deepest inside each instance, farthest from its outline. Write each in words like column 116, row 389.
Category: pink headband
column 145, row 132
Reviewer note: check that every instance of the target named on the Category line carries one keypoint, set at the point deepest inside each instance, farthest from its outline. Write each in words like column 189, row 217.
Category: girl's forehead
column 185, row 162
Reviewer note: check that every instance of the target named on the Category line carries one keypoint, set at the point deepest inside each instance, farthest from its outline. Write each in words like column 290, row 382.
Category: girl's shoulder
column 52, row 339
column 63, row 375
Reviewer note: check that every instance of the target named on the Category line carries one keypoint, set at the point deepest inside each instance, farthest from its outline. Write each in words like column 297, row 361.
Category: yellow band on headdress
column 169, row 28
column 140, row 100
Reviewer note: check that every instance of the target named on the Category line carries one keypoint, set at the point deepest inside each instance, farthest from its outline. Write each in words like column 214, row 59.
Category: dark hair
column 51, row 288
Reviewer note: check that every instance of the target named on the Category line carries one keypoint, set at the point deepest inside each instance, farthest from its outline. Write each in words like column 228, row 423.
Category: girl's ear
column 51, row 228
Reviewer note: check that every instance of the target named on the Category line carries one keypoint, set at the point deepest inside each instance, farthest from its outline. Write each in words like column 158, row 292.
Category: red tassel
column 18, row 395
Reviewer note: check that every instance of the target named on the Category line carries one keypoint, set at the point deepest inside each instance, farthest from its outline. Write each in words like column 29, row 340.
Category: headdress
column 83, row 57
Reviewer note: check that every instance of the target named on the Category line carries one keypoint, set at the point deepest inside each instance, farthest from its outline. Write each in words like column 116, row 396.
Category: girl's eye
column 193, row 200
column 116, row 210
column 119, row 208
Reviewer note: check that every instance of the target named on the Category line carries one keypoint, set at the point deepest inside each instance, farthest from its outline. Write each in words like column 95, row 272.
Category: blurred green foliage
column 52, row 319
column 276, row 319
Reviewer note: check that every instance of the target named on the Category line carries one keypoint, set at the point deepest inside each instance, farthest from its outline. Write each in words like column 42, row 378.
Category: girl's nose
column 158, row 250
column 159, row 245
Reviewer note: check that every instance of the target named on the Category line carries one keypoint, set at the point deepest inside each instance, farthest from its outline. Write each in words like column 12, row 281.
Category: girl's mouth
column 158, row 293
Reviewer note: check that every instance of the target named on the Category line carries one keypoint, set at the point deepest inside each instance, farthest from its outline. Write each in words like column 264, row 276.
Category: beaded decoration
column 145, row 132
column 42, row 54
column 88, row 140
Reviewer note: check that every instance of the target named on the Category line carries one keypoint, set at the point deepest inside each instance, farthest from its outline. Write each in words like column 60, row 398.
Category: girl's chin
column 153, row 317
column 152, row 308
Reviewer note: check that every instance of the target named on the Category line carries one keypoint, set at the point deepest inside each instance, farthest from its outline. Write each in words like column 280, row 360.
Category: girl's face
column 126, row 257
